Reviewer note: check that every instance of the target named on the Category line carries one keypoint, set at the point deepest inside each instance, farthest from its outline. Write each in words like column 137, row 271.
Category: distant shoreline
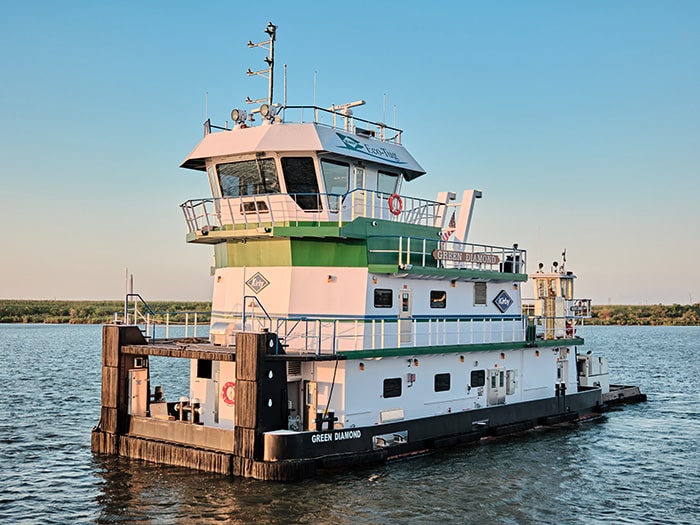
column 99, row 312
column 91, row 312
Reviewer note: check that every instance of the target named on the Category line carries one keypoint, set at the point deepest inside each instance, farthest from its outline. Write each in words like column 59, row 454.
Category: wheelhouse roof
column 286, row 138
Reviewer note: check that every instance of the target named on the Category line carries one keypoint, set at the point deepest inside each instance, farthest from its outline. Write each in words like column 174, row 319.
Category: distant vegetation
column 88, row 312
column 97, row 312
column 653, row 314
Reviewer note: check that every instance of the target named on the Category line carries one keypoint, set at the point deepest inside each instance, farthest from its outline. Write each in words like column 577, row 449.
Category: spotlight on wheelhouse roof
column 267, row 111
column 238, row 115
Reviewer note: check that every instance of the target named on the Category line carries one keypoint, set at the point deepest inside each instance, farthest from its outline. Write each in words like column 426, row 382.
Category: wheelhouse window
column 336, row 177
column 387, row 182
column 442, row 382
column 383, row 298
column 438, row 299
column 477, row 378
column 300, row 179
column 392, row 387
column 248, row 177
column 479, row 294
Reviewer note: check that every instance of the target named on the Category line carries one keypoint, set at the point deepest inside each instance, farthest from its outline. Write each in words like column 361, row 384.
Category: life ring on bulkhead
column 228, row 393
column 395, row 204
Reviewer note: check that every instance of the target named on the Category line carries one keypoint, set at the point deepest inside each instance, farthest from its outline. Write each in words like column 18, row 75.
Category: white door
column 405, row 324
column 496, row 387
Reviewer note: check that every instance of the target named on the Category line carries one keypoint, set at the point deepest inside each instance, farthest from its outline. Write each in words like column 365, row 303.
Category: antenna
column 271, row 30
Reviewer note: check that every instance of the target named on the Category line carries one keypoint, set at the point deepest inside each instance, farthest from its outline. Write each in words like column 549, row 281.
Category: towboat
column 352, row 322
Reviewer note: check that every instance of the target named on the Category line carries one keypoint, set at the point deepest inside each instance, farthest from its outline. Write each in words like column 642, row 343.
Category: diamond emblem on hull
column 257, row 283
column 503, row 301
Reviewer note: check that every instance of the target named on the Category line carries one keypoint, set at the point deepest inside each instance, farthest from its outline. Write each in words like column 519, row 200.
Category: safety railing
column 409, row 252
column 162, row 325
column 261, row 212
column 334, row 117
column 562, row 320
column 330, row 336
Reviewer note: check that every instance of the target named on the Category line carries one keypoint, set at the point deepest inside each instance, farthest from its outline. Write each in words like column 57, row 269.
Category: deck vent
column 293, row 369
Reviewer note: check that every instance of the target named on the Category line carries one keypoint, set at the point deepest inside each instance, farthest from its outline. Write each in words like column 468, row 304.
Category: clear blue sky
column 579, row 120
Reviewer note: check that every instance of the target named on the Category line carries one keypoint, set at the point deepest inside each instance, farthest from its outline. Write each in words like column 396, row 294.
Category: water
column 637, row 465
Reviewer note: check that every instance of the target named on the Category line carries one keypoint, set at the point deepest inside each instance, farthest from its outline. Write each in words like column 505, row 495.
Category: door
column 496, row 387
column 405, row 323
column 138, row 391
column 311, row 403
column 358, row 194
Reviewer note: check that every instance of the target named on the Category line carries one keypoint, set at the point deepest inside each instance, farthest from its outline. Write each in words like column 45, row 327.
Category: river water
column 637, row 465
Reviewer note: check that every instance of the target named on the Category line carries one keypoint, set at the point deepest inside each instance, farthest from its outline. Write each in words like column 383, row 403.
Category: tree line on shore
column 94, row 312
column 98, row 312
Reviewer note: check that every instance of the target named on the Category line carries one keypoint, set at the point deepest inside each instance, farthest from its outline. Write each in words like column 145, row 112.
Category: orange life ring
column 228, row 393
column 395, row 203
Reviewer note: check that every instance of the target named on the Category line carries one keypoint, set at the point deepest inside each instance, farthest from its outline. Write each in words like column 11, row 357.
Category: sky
column 579, row 121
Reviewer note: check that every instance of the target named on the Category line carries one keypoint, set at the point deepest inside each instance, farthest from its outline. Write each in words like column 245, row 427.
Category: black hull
column 378, row 443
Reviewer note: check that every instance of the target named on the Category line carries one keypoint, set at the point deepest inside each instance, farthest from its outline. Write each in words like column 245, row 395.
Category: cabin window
column 438, row 299
column 479, row 294
column 392, row 387
column 300, row 180
column 567, row 289
column 359, row 178
column 204, row 368
column 336, row 176
column 387, row 182
column 249, row 177
column 383, row 298
column 477, row 378
column 442, row 382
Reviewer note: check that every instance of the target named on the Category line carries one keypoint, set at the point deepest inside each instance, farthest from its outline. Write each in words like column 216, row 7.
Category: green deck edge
column 452, row 349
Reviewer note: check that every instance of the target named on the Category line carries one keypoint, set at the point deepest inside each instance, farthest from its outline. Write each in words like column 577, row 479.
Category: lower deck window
column 383, row 298
column 392, row 387
column 478, row 378
column 442, row 382
column 438, row 299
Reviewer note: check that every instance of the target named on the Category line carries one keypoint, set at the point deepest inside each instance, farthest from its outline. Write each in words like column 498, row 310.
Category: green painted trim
column 574, row 341
column 307, row 230
column 364, row 227
column 293, row 252
column 452, row 349
column 321, row 252
column 468, row 274
column 449, row 273
column 424, row 350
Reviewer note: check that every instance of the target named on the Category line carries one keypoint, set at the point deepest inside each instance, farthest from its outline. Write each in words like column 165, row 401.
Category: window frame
column 387, row 292
column 434, row 303
column 389, row 390
column 439, row 383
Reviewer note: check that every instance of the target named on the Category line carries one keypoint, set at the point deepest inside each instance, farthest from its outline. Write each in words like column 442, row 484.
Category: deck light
column 238, row 115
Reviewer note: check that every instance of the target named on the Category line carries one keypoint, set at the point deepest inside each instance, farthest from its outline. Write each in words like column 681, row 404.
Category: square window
column 477, row 378
column 383, row 298
column 480, row 294
column 438, row 299
column 442, row 382
column 204, row 368
column 392, row 387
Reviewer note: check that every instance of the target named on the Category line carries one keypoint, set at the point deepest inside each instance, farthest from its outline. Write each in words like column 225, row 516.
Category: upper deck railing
column 336, row 118
column 255, row 212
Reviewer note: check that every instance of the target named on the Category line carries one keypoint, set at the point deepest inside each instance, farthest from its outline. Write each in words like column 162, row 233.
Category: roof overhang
column 298, row 138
